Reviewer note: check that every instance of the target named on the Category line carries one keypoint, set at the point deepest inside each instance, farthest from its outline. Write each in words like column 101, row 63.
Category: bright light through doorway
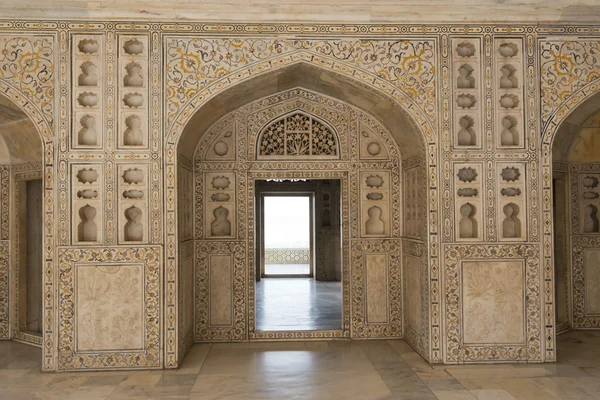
column 287, row 235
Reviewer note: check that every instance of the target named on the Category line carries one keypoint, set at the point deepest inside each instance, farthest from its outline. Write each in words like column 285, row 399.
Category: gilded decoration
column 109, row 308
column 488, row 277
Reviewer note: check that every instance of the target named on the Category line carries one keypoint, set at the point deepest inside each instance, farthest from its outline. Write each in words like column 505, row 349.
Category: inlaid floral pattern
column 566, row 67
column 27, row 63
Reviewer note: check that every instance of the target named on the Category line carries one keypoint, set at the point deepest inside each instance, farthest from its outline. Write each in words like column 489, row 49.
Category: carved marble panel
column 512, row 203
column 509, row 85
column 219, row 205
column 109, row 308
column 493, row 305
column 486, row 315
column 586, row 280
column 469, row 213
column 368, row 262
column 133, row 92
column 220, row 291
column 220, row 288
column 376, row 288
column 592, row 281
column 87, row 191
column 88, row 82
column 413, row 289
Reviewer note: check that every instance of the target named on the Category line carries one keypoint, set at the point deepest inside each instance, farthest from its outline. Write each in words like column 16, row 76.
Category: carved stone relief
column 466, row 59
column 88, row 85
column 469, row 204
column 87, row 192
column 510, row 131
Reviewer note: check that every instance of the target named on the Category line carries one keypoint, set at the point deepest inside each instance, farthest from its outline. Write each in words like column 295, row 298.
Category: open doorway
column 288, row 232
column 298, row 284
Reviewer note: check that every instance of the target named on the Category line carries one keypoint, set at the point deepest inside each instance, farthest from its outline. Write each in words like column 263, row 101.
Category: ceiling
column 359, row 11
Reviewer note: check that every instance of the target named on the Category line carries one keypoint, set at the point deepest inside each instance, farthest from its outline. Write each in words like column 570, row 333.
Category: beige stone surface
column 493, row 303
column 221, row 290
column 377, row 288
column 109, row 307
column 313, row 10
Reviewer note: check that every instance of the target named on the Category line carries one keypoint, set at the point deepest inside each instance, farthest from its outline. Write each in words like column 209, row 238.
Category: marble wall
column 122, row 107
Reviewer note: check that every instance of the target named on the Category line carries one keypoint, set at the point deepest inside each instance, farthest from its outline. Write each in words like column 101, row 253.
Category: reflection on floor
column 298, row 304
column 362, row 370
column 287, row 269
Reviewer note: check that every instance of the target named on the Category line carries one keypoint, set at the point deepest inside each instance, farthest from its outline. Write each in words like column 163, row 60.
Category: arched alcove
column 575, row 199
column 21, row 228
column 308, row 86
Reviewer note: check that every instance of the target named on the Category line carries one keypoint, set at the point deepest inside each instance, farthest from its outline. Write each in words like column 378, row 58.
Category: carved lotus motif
column 510, row 192
column 375, row 196
column 133, row 100
column 508, row 50
column 466, row 100
column 87, row 175
column 220, row 197
column 467, row 192
column 133, row 194
column 88, row 46
column 221, row 182
column 133, row 47
column 591, row 195
column 590, row 182
column 467, row 174
column 374, row 181
column 87, row 194
column 87, row 99
column 509, row 101
column 133, row 176
column 465, row 49
column 510, row 174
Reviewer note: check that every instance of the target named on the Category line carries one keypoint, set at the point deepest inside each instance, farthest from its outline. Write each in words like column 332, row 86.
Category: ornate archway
column 399, row 94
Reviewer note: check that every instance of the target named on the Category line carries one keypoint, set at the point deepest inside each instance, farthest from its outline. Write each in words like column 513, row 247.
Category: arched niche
column 408, row 160
column 575, row 201
column 21, row 228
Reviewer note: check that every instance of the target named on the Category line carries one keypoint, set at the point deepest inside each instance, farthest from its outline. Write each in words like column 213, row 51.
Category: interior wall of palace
column 467, row 157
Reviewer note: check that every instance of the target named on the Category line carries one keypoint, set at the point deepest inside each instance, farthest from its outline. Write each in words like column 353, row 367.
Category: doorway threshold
column 299, row 335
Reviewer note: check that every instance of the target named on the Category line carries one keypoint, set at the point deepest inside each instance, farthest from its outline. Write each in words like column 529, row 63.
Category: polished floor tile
column 336, row 370
column 298, row 304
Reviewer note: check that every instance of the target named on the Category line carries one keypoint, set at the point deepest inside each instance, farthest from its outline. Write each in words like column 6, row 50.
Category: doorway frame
column 252, row 229
column 261, row 226
column 26, row 172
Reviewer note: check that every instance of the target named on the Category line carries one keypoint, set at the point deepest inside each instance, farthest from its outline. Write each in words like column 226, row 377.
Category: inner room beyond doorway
column 298, row 288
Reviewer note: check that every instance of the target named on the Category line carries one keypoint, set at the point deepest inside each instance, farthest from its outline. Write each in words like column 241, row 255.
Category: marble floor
column 378, row 370
column 298, row 304
column 287, row 269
